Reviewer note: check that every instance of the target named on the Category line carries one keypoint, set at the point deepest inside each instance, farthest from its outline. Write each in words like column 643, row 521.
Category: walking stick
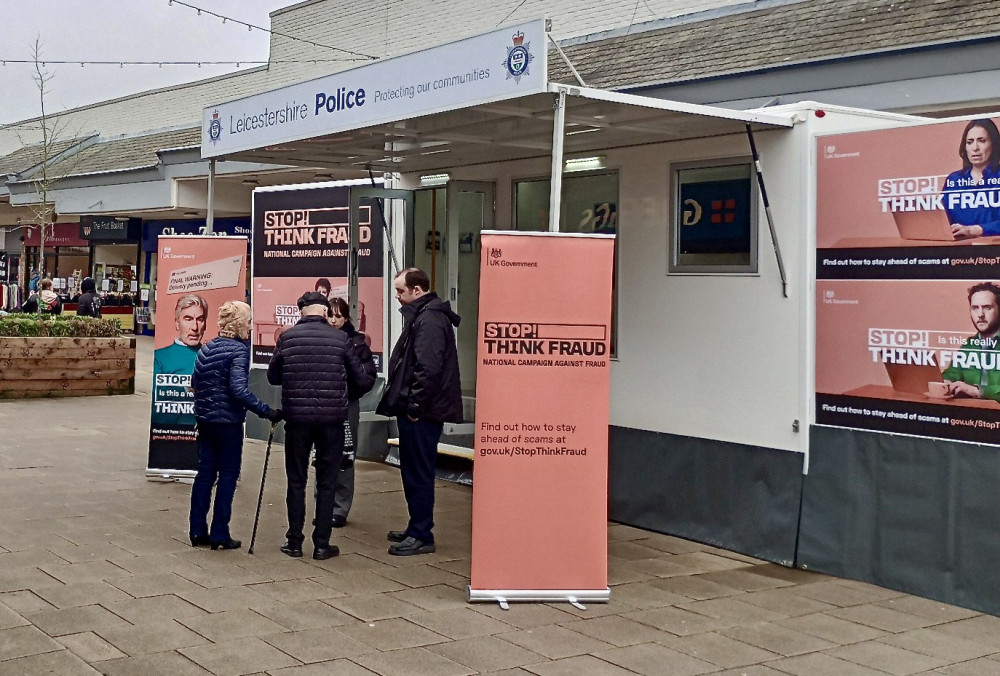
column 260, row 498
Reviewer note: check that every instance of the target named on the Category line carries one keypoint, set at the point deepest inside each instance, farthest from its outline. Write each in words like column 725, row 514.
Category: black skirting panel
column 918, row 515
column 742, row 498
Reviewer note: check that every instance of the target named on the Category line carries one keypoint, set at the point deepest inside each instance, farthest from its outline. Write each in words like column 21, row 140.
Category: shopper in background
column 89, row 303
column 45, row 300
column 222, row 397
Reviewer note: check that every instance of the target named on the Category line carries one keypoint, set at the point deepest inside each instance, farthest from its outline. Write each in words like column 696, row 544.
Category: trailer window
column 714, row 228
column 589, row 204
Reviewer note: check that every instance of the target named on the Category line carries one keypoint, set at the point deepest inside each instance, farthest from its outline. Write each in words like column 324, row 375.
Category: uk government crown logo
column 214, row 127
column 519, row 57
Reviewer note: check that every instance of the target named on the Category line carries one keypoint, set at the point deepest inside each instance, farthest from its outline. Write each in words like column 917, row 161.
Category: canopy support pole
column 385, row 227
column 566, row 60
column 555, row 185
column 767, row 211
column 210, row 214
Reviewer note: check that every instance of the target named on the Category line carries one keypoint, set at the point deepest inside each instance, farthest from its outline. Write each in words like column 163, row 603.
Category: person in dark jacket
column 344, row 490
column 89, row 303
column 221, row 398
column 423, row 391
column 313, row 366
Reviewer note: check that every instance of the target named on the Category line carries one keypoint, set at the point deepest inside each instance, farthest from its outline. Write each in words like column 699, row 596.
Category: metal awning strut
column 767, row 211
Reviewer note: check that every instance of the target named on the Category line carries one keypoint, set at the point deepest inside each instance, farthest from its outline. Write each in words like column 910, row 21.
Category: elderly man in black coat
column 312, row 364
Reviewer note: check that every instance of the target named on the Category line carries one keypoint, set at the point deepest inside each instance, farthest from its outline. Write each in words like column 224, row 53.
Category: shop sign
column 107, row 228
column 57, row 234
column 230, row 227
column 503, row 64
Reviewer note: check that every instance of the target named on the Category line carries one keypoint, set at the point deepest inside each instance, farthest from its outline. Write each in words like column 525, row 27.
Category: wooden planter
column 66, row 367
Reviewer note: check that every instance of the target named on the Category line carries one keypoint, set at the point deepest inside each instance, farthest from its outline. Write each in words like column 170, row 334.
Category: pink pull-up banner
column 540, row 492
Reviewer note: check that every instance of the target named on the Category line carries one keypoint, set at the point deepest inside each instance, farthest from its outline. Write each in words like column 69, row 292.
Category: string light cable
column 251, row 27
column 123, row 63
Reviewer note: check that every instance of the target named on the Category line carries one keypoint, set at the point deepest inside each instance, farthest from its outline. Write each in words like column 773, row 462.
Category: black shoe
column 294, row 551
column 338, row 521
column 226, row 544
column 199, row 540
column 396, row 536
column 324, row 553
column 411, row 546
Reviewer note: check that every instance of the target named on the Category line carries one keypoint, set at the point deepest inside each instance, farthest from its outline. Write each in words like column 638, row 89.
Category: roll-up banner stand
column 540, row 496
column 195, row 276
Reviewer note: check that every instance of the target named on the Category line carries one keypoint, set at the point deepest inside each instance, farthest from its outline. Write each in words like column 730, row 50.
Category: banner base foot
column 181, row 475
column 575, row 597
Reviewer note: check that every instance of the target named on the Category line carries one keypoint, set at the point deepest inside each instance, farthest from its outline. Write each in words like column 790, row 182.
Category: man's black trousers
column 300, row 438
column 418, row 443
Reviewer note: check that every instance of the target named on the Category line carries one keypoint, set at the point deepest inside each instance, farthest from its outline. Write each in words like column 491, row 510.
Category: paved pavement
column 96, row 576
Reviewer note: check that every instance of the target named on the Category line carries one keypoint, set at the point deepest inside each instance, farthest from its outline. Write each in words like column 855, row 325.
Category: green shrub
column 57, row 326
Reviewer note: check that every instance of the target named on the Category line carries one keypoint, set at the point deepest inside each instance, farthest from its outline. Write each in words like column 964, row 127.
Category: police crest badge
column 519, row 57
column 215, row 127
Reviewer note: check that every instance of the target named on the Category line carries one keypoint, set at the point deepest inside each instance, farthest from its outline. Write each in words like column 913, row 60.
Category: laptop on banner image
column 930, row 225
column 912, row 378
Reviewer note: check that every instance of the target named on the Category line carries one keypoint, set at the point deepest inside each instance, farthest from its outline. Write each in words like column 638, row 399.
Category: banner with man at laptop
column 912, row 357
column 917, row 202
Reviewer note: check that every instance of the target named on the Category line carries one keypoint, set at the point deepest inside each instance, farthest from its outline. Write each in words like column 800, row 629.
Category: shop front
column 63, row 252
column 113, row 256
column 11, row 293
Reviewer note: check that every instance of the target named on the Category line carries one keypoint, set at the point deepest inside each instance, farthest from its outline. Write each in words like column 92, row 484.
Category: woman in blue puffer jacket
column 222, row 397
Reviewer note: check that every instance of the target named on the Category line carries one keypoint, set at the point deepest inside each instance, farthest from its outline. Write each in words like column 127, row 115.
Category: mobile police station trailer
column 714, row 433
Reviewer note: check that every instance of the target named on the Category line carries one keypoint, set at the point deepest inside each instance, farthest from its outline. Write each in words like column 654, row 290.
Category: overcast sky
column 120, row 30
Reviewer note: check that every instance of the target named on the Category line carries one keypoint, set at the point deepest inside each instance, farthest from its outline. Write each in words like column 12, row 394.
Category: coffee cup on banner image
column 937, row 389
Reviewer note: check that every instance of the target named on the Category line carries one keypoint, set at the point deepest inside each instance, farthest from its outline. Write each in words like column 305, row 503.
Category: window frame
column 674, row 266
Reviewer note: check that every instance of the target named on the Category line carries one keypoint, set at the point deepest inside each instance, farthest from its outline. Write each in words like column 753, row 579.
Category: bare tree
column 44, row 178
column 44, row 212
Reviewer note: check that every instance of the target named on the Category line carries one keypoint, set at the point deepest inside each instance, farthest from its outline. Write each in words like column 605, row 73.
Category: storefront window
column 714, row 228
column 589, row 205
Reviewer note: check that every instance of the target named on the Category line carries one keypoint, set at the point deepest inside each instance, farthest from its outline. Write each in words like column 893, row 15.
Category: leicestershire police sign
column 503, row 64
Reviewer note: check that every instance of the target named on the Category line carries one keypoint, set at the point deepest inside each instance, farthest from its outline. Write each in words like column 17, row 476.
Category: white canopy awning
column 512, row 129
